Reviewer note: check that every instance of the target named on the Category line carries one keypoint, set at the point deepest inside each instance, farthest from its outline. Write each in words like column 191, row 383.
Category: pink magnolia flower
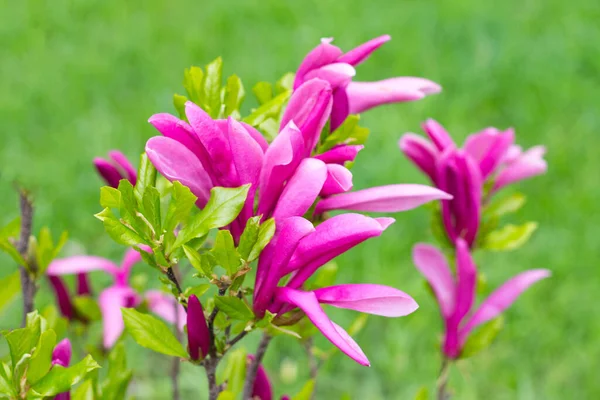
column 63, row 296
column 456, row 294
column 115, row 168
column 61, row 355
column 197, row 330
column 298, row 250
column 120, row 294
column 329, row 63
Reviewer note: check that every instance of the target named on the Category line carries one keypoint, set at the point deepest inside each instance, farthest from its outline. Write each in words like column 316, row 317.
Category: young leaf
column 12, row 251
column 225, row 252
column 179, row 103
column 85, row 391
column 270, row 109
column 255, row 238
column 509, row 237
column 422, row 393
column 506, row 205
column 483, row 337
column 348, row 133
column 11, row 286
column 193, row 82
column 11, row 229
column 226, row 395
column 235, row 373
column 115, row 385
column 152, row 333
column 233, row 96
column 41, row 359
column 200, row 263
column 263, row 91
column 151, row 208
column 306, row 392
column 286, row 82
column 110, row 197
column 121, row 233
column 22, row 341
column 212, row 87
column 60, row 379
column 146, row 177
column 6, row 387
column 180, row 207
column 234, row 307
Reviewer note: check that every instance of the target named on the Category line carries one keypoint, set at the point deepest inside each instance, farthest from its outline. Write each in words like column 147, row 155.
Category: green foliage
column 235, row 372
column 422, row 393
column 255, row 238
column 118, row 378
column 509, row 237
column 152, row 333
column 505, row 205
column 233, row 97
column 60, row 379
column 234, row 308
column 347, row 133
column 306, row 392
column 11, row 286
column 483, row 337
column 87, row 307
column 41, row 359
column 225, row 254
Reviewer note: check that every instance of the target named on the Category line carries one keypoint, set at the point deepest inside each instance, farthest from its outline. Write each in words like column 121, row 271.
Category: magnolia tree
column 241, row 218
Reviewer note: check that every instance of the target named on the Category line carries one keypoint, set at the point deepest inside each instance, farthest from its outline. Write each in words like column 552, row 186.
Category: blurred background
column 81, row 77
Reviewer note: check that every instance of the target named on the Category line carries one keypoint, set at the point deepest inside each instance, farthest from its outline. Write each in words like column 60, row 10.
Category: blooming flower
column 329, row 63
column 120, row 294
column 115, row 168
column 456, row 294
column 297, row 250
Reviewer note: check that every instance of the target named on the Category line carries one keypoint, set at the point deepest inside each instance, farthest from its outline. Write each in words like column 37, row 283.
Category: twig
column 312, row 363
column 253, row 367
column 27, row 284
column 211, row 327
column 237, row 338
column 176, row 362
column 210, row 366
column 173, row 278
column 442, row 382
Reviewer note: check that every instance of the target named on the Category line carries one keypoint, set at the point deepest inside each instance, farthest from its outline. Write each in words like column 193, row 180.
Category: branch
column 211, row 326
column 253, row 367
column 237, row 339
column 442, row 382
column 27, row 284
column 176, row 361
column 210, row 365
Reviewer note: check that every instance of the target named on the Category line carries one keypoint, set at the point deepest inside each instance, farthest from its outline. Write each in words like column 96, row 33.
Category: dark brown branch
column 27, row 283
column 253, row 367
column 210, row 366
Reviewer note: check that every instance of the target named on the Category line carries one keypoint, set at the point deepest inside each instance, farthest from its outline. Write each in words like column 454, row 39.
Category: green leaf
column 269, row 128
column 285, row 83
column 12, row 229
column 233, row 96
column 85, row 391
column 234, row 307
column 46, row 251
column 60, row 379
column 200, row 263
column 22, row 341
column 152, row 333
column 198, row 290
column 225, row 252
column 505, row 205
column 181, row 205
column 193, row 82
column 226, row 395
column 179, row 103
column 509, row 237
column 235, row 373
column 270, row 109
column 54, row 320
column 212, row 87
column 41, row 359
column 358, row 324
column 119, row 232
column 263, row 91
column 87, row 307
column 12, row 251
column 223, row 207
column 249, row 237
column 306, row 392
column 483, row 337
column 115, row 385
column 255, row 238
column 110, row 197
column 422, row 393
column 11, row 286
column 6, row 387
column 151, row 208
column 146, row 177
column 348, row 133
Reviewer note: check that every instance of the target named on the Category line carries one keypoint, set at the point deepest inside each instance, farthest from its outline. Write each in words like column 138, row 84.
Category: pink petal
column 466, row 281
column 337, row 74
column 502, row 298
column 368, row 298
column 246, row 152
column 61, row 355
column 438, row 135
column 340, row 154
column 302, row 189
column 163, row 305
column 83, row 285
column 339, row 180
column 63, row 298
column 111, row 300
column 527, row 165
column 362, row 52
column 323, row 54
column 421, row 152
column 498, row 147
column 257, row 136
column 262, row 384
column 177, row 163
column 121, row 160
column 307, row 302
column 340, row 108
column 432, row 264
column 108, row 172
column 366, row 95
column 80, row 264
column 390, row 198
column 197, row 330
column 131, row 258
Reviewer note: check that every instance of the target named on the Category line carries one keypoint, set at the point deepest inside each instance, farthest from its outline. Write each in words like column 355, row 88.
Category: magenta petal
column 323, row 54
column 366, row 95
column 163, row 305
column 110, row 301
column 502, row 298
column 246, row 152
column 83, row 285
column 62, row 296
column 337, row 74
column 80, row 264
column 61, row 355
column 121, row 160
column 302, row 189
column 421, row 152
column 359, row 54
column 309, row 108
column 197, row 330
column 432, row 264
column 339, row 180
column 307, row 302
column 262, row 384
column 500, row 144
column 527, row 165
column 340, row 154
column 466, row 272
column 108, row 172
column 177, row 163
column 257, row 136
column 438, row 135
column 340, row 108
column 390, row 198
column 368, row 298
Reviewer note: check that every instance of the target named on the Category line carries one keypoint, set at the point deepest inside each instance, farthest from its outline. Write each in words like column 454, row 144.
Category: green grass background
column 81, row 77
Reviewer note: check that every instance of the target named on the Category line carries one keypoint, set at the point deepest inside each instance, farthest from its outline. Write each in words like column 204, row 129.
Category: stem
column 173, row 278
column 27, row 284
column 253, row 367
column 210, row 365
column 313, row 365
column 237, row 339
column 442, row 382
column 176, row 362
column 211, row 322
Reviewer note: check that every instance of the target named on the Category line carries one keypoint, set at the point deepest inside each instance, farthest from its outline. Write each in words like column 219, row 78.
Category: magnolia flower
column 63, row 296
column 115, row 168
column 61, row 355
column 120, row 294
column 456, row 294
column 197, row 330
column 329, row 63
column 297, row 250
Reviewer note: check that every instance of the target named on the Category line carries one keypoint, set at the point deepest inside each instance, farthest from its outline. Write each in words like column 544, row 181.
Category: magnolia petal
column 432, row 264
column 163, row 305
column 323, row 54
column 246, row 152
column 466, row 272
column 339, row 180
column 108, row 172
column 110, row 301
column 438, row 135
column 421, row 152
column 340, row 154
column 61, row 355
column 302, row 189
column 502, row 298
column 337, row 74
column 80, row 264
column 340, row 108
column 63, row 298
column 177, row 163
column 121, row 160
column 261, row 388
column 366, row 95
column 307, row 302
column 197, row 330
column 498, row 147
column 527, row 165
column 257, row 136
column 359, row 54
column 389, row 198
column 83, row 285
column 368, row 298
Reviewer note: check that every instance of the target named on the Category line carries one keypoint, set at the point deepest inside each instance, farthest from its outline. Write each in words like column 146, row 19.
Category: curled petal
column 197, row 330
column 61, row 355
column 438, row 135
column 121, row 160
column 81, row 264
column 339, row 180
column 362, row 52
column 527, row 165
column 307, row 302
column 108, row 172
column 366, row 95
column 390, row 198
column 111, row 300
column 337, row 74
column 325, row 53
column 421, row 152
column 432, row 264
column 302, row 189
column 340, row 154
column 368, row 298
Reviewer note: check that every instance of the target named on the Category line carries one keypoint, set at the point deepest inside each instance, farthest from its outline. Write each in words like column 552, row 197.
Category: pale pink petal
column 325, row 53
column 368, row 298
column 340, row 154
column 339, row 180
column 390, row 198
column 366, row 95
column 337, row 74
column 163, row 305
column 362, row 52
column 432, row 264
column 308, row 303
column 110, row 301
column 421, row 152
column 80, row 264
column 528, row 164
column 496, row 152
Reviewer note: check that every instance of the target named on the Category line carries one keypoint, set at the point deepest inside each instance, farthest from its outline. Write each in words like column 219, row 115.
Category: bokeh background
column 81, row 77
